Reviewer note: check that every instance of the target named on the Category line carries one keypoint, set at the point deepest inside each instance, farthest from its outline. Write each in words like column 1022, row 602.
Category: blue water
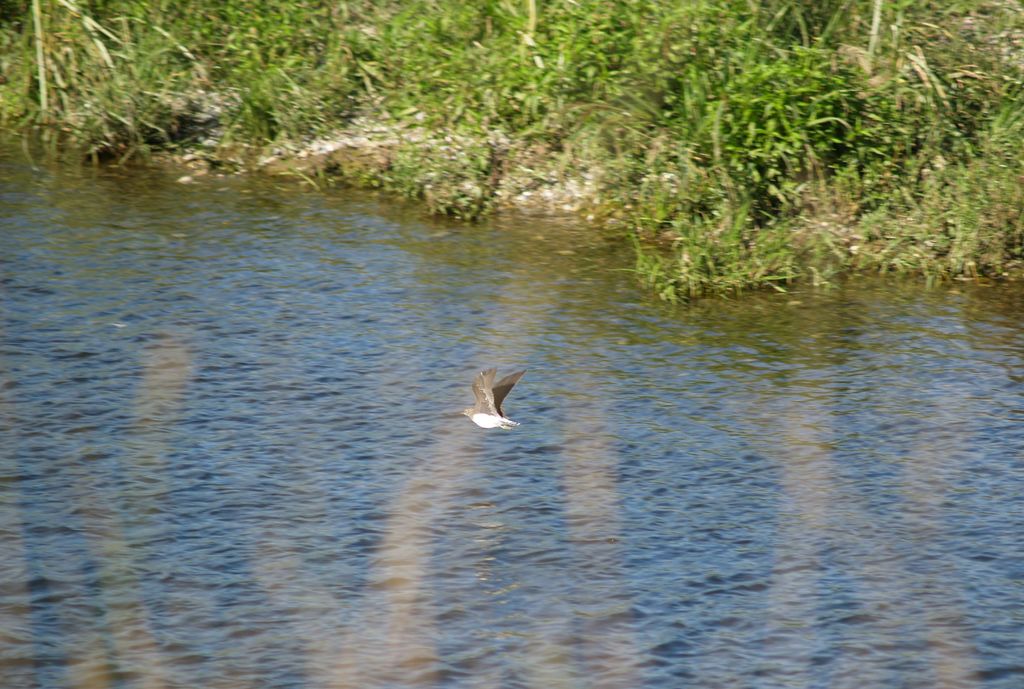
column 233, row 456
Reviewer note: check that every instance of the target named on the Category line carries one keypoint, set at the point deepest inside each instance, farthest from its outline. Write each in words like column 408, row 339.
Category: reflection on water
column 233, row 457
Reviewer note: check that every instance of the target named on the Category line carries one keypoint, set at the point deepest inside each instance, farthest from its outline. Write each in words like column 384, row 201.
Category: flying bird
column 489, row 395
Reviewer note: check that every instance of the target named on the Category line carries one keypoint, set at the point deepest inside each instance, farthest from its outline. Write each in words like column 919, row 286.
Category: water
column 233, row 457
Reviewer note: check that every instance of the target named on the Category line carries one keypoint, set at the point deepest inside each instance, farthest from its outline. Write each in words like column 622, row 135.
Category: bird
column 489, row 395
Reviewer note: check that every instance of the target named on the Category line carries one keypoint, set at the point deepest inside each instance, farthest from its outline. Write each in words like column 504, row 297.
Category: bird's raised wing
column 502, row 388
column 482, row 385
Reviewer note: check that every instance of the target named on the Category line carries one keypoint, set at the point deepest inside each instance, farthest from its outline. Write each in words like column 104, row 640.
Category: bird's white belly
column 487, row 420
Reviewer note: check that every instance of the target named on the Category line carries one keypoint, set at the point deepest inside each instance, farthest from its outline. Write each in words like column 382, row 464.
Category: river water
column 233, row 457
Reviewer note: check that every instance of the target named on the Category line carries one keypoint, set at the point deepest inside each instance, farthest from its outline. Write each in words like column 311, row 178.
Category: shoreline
column 736, row 146
column 363, row 154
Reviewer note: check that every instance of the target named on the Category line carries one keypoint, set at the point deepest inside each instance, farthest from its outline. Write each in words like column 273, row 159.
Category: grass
column 745, row 143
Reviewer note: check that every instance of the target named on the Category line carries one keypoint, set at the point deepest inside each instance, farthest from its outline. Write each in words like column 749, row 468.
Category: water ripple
column 234, row 458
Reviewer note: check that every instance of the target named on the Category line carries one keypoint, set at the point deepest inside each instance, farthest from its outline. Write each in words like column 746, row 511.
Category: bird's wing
column 502, row 388
column 482, row 385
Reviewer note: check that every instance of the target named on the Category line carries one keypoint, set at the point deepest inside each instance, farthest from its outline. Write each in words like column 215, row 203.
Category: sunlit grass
column 711, row 126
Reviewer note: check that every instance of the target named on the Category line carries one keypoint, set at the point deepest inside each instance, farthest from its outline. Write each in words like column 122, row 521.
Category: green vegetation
column 744, row 143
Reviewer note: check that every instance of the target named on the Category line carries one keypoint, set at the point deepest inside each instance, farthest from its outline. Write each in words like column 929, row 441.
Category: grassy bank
column 743, row 143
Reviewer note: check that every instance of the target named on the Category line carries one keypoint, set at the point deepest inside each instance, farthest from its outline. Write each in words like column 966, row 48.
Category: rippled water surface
column 232, row 457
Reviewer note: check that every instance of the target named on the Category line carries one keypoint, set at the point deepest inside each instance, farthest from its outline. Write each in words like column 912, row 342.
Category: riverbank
column 739, row 145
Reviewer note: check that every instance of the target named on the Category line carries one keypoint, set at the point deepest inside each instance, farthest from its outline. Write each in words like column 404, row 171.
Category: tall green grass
column 718, row 129
column 121, row 76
